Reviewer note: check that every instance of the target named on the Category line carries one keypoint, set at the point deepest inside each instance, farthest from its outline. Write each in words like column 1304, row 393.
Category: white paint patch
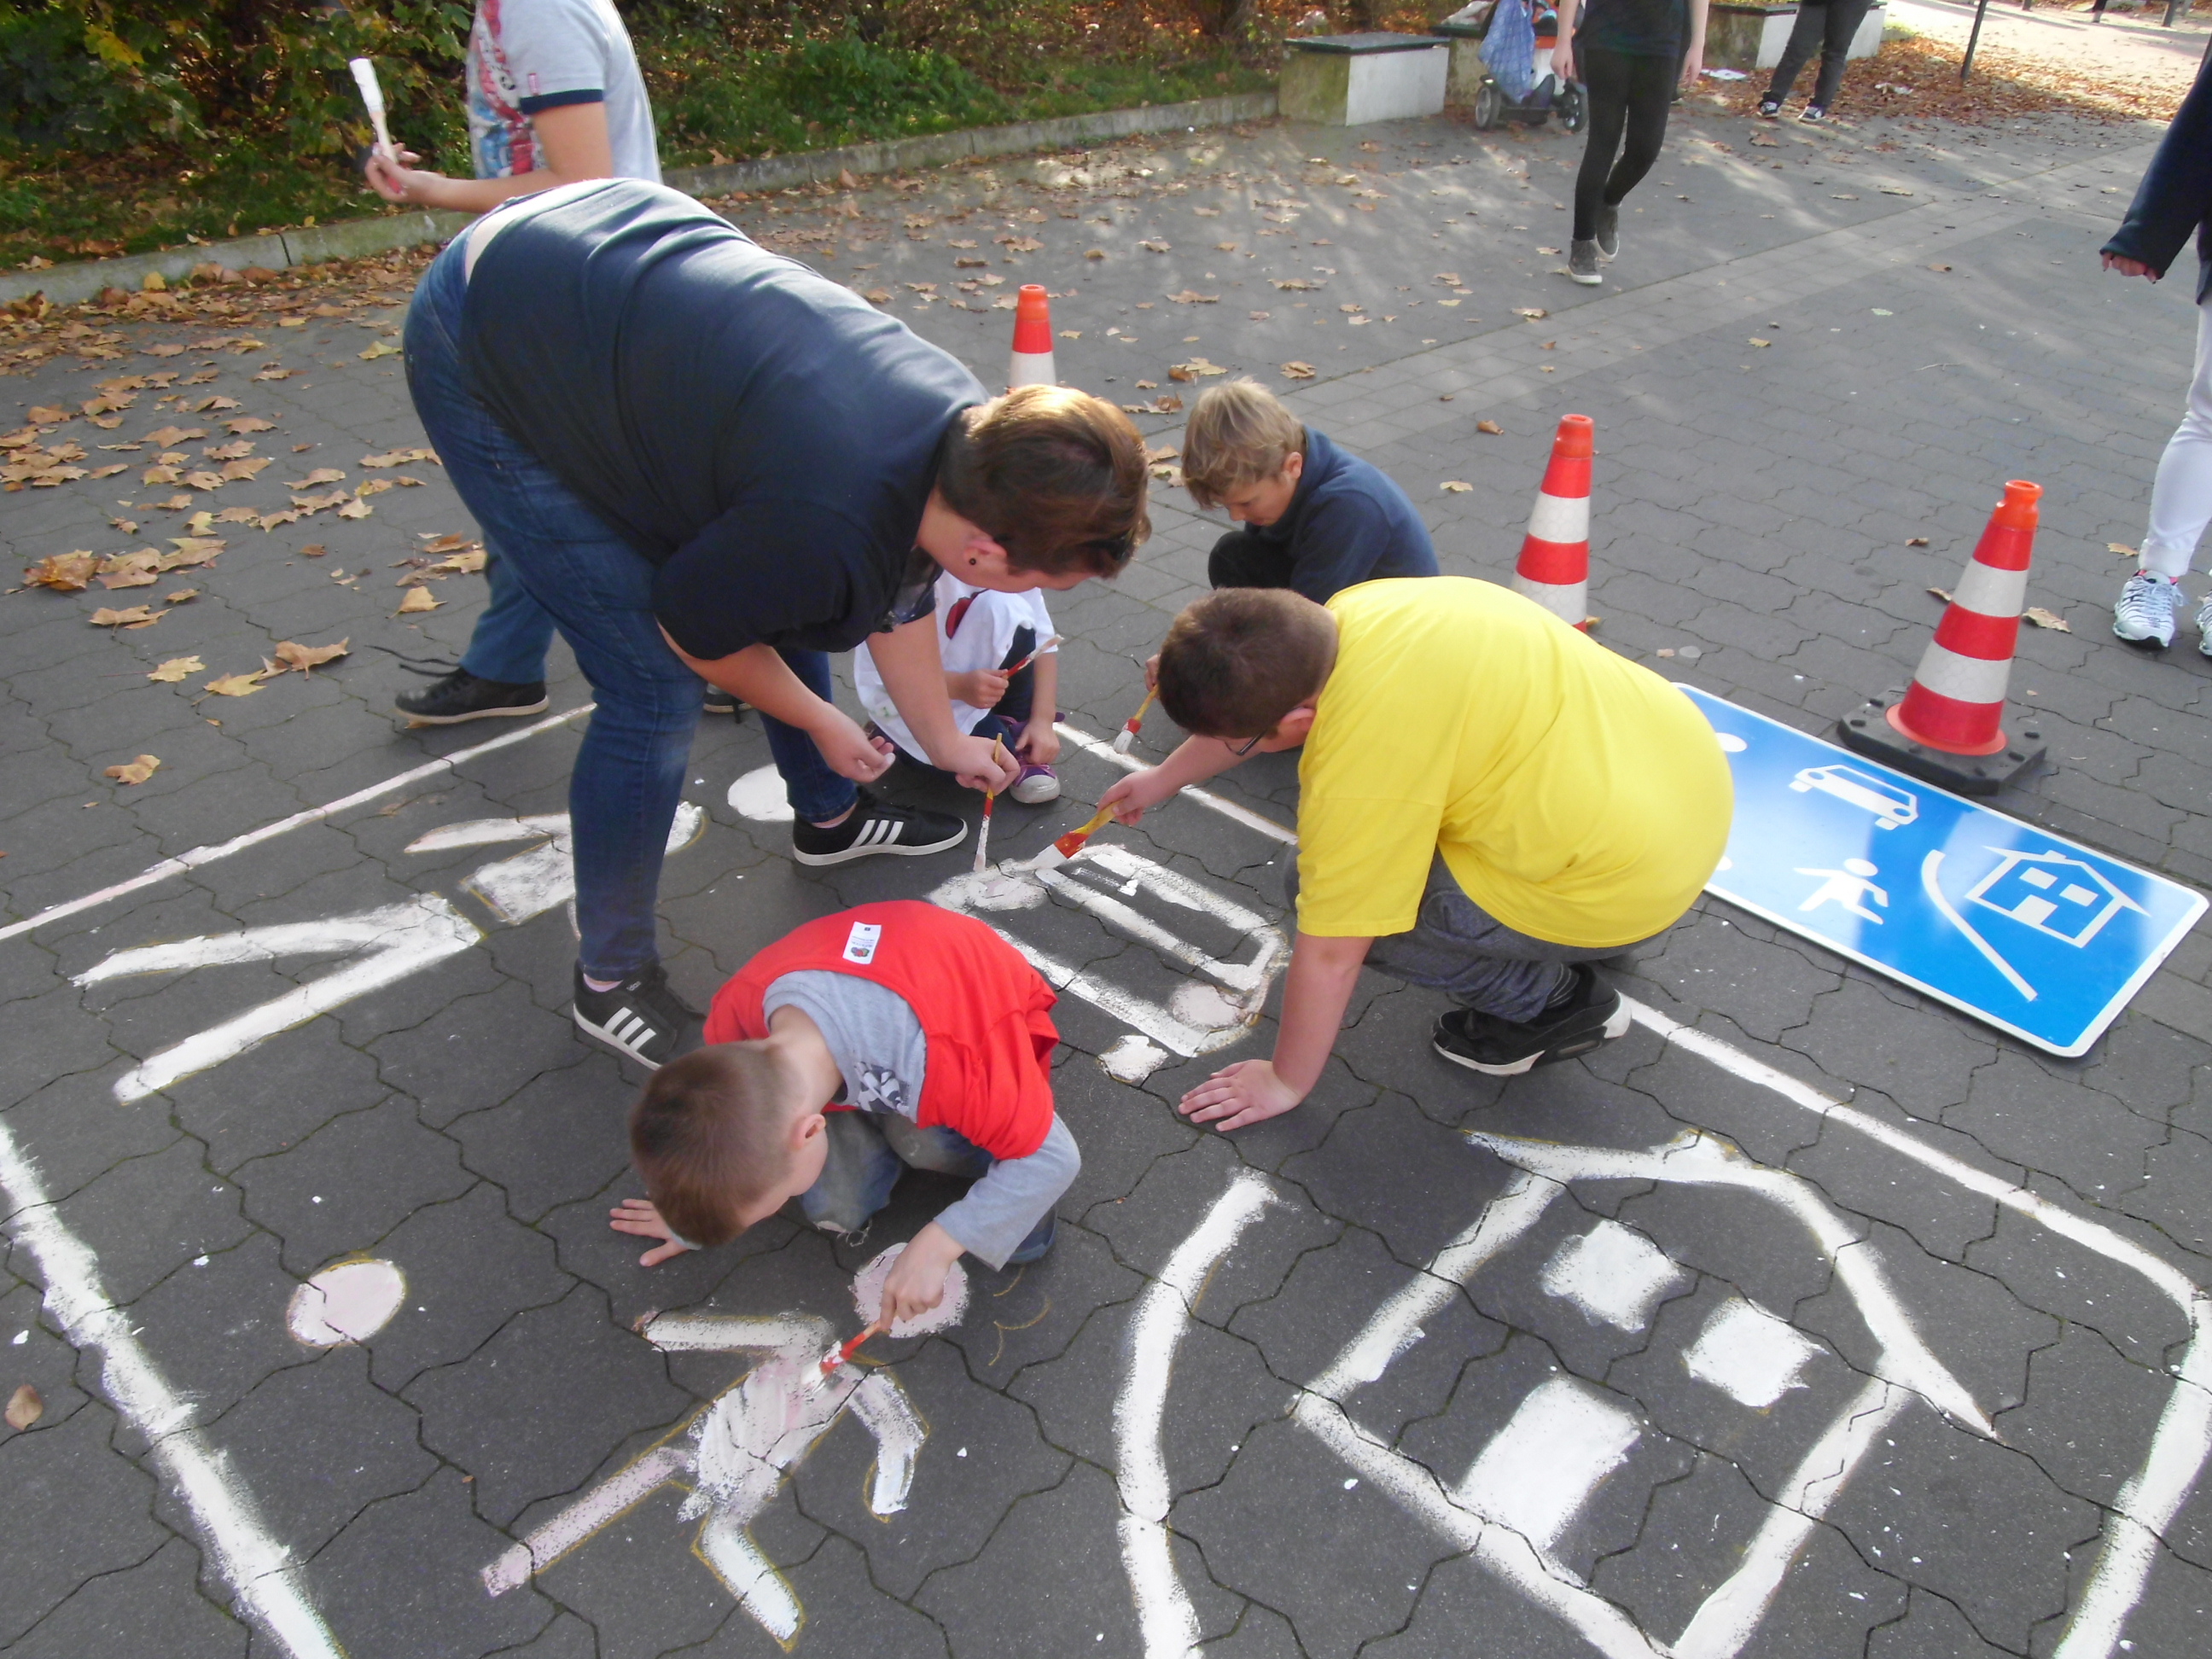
column 1003, row 889
column 868, row 1298
column 1748, row 1354
column 347, row 1302
column 387, row 944
column 520, row 888
column 761, row 796
column 1613, row 1274
column 1165, row 1618
column 1133, row 1059
column 271, row 1590
column 1540, row 1468
column 1208, row 1007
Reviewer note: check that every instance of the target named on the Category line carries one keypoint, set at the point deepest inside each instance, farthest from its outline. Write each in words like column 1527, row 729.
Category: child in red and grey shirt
column 892, row 1036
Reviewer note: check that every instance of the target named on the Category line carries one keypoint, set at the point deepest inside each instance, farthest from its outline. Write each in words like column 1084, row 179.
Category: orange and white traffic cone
column 1032, row 364
column 1948, row 726
column 1554, row 565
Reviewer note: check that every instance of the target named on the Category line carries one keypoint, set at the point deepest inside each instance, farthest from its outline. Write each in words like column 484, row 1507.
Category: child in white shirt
column 982, row 634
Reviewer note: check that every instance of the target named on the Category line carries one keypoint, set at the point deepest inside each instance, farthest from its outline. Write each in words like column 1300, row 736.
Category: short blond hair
column 1238, row 433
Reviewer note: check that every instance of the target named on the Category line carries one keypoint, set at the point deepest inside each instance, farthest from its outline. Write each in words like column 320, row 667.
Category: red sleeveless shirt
column 982, row 1008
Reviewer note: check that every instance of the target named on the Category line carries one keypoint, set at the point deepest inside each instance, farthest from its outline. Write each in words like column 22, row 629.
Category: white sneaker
column 2204, row 626
column 2144, row 614
column 1035, row 785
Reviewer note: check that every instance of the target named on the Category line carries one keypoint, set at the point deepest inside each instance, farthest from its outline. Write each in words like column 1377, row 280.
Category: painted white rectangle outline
column 1794, row 925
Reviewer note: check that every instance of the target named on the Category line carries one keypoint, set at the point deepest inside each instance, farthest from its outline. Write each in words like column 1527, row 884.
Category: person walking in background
column 1630, row 55
column 2174, row 200
column 1826, row 27
column 554, row 98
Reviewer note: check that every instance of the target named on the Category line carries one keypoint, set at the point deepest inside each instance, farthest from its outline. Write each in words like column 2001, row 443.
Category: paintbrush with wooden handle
column 990, row 800
column 1134, row 723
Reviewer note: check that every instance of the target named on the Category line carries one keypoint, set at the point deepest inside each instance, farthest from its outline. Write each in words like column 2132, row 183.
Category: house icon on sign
column 2060, row 896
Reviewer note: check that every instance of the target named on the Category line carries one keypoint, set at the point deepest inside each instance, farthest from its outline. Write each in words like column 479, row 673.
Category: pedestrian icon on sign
column 2061, row 897
column 1846, row 887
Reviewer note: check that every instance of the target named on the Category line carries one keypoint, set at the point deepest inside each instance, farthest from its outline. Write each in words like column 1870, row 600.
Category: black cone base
column 1869, row 732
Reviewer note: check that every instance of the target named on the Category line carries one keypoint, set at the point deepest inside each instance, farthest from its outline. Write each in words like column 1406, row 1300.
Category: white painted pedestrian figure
column 1844, row 888
column 735, row 1455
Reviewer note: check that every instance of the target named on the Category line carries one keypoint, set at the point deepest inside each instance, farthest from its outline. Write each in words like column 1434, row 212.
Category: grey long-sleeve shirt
column 882, row 1053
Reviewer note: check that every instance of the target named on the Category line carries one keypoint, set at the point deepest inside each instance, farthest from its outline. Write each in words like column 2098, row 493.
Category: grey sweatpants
column 1457, row 947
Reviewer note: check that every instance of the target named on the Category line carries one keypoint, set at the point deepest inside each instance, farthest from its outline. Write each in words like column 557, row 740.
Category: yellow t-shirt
column 1577, row 797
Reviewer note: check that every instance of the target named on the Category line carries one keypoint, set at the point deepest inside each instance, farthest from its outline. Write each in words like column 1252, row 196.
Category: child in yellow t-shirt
column 1489, row 801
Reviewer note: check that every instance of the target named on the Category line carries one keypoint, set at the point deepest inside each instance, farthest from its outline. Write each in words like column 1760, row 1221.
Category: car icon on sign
column 1891, row 805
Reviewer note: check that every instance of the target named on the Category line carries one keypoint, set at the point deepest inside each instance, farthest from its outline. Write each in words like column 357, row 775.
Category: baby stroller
column 1516, row 38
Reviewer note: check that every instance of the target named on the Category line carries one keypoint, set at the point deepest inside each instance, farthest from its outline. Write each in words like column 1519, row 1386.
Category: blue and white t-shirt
column 526, row 56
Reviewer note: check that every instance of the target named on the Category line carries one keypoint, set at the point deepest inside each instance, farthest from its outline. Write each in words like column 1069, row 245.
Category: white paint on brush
column 1748, row 1354
column 1613, row 1274
column 347, row 1302
column 868, row 1298
column 235, row 1541
column 761, row 795
column 1537, row 1472
column 1133, row 1059
column 1165, row 1618
column 386, row 944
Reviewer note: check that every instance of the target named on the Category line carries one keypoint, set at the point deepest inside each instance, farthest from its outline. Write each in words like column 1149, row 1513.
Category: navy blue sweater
column 2175, row 197
column 1347, row 524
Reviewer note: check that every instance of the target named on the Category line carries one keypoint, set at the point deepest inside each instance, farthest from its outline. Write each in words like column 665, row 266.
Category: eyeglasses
column 1255, row 743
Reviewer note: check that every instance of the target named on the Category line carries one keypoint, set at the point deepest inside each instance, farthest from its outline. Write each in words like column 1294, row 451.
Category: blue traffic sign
column 2037, row 935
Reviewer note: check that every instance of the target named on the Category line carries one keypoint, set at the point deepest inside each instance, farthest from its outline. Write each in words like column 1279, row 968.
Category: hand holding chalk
column 372, row 94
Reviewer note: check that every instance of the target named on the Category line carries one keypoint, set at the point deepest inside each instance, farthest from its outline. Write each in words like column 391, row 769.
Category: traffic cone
column 1948, row 726
column 1032, row 364
column 1554, row 565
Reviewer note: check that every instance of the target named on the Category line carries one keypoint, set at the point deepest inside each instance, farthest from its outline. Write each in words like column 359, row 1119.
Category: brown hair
column 1055, row 477
column 1239, row 659
column 1238, row 433
column 707, row 1135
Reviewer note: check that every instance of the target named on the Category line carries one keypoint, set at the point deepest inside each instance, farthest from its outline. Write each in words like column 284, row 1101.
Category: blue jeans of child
column 868, row 1152
column 511, row 636
column 628, row 773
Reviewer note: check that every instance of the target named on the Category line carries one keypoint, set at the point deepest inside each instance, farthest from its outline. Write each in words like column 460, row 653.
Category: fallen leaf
column 1892, row 190
column 175, row 669
column 382, row 348
column 465, row 563
column 1942, row 593
column 1916, row 541
column 418, row 599
column 1457, row 488
column 2042, row 618
column 137, row 617
column 965, row 264
column 159, row 475
column 1298, row 371
column 2122, row 550
column 1532, row 313
column 237, row 685
column 1196, row 368
column 1757, row 342
column 270, row 520
column 1225, row 247
column 1167, row 403
column 181, row 596
column 1155, row 245
column 305, row 658
column 206, row 480
column 109, row 471
column 169, row 437
column 1352, row 310
column 44, row 414
column 192, row 550
column 443, row 541
column 233, row 471
column 250, row 423
column 274, row 375
column 1178, row 372
column 1843, row 196
column 1148, row 386
column 373, row 487
column 1093, row 253
column 239, row 515
column 355, row 508
column 230, row 451
column 1939, row 267
column 24, row 1408
column 1071, row 334
column 67, row 573
column 1294, row 284
column 1491, row 427
column 313, row 551
column 321, row 475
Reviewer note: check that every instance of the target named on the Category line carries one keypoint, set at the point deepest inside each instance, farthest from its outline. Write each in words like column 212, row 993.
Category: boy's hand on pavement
column 1040, row 744
column 1247, row 1092
column 638, row 1216
column 916, row 1283
column 1136, row 795
column 979, row 688
column 979, row 763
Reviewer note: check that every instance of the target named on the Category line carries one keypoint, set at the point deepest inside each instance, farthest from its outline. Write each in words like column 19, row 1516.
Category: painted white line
column 1228, row 809
column 236, row 1542
column 1536, row 1473
column 203, row 855
column 1164, row 1616
column 1613, row 1274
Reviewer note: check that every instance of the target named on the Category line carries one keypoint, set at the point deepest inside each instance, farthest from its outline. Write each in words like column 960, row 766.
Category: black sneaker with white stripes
column 640, row 1019
column 876, row 826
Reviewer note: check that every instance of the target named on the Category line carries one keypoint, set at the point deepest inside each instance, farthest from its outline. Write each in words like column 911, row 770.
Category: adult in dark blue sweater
column 1317, row 520
column 2174, row 202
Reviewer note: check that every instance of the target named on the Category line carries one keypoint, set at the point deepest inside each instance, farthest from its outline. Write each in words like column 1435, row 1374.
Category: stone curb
column 69, row 283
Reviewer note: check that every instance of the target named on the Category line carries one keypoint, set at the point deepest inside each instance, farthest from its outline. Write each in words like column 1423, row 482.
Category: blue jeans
column 869, row 1151
column 511, row 636
column 598, row 590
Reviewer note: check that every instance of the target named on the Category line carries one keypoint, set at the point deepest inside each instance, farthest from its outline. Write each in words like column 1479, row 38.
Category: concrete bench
column 1749, row 34
column 1348, row 80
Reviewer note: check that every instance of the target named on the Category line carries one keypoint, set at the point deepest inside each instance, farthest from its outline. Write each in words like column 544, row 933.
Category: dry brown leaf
column 237, row 685
column 355, row 509
column 1531, row 313
column 466, row 563
column 1294, row 284
column 1491, row 427
column 1093, row 253
column 230, row 451
column 418, row 599
column 1942, row 593
column 181, row 596
column 305, row 658
column 65, row 572
column 1296, row 371
column 1457, row 488
column 205, row 480
column 137, row 617
column 270, row 520
column 2121, row 550
column 1916, row 541
column 321, row 475
column 1167, row 403
column 159, row 475
column 109, row 471
column 1757, row 342
column 444, row 542
column 313, row 551
column 382, row 348
column 238, row 515
column 1193, row 297
column 274, row 375
column 192, row 550
column 250, row 423
column 167, row 436
column 965, row 264
column 170, row 673
column 1155, row 245
column 2043, row 618
column 373, row 487
column 24, row 1408
column 234, row 471
column 44, row 414
column 1196, row 368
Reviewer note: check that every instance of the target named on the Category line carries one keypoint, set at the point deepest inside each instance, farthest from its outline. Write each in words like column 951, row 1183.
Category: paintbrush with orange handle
column 1134, row 723
column 831, row 1361
column 990, row 800
column 1072, row 843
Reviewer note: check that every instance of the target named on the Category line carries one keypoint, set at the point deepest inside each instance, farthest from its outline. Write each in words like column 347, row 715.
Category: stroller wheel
column 1488, row 104
column 1573, row 109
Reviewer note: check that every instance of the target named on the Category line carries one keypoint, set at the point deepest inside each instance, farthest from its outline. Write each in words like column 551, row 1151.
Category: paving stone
column 53, row 1044
column 404, row 1577
column 1768, row 990
column 1258, row 1633
column 1860, row 1176
column 640, row 1587
column 275, row 1096
column 592, row 1251
column 533, row 1410
column 34, row 1355
column 469, row 1266
column 1931, row 1629
column 150, row 1213
column 2070, row 1283
column 1467, row 1613
column 1121, row 1132
column 844, row 1613
column 2088, row 1414
column 152, row 1607
column 982, row 1454
column 1405, row 1177
column 2088, row 1139
column 561, row 1137
column 2169, row 1622
column 1740, row 1237
column 1924, row 1064
column 476, row 1052
column 1028, row 1315
column 218, row 1325
column 75, row 1510
column 2176, row 1178
column 351, row 1183
column 566, row 1637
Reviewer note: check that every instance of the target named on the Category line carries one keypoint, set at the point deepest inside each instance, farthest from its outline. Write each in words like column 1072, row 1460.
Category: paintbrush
column 831, row 1361
column 372, row 94
column 1033, row 656
column 1134, row 723
column 1071, row 843
column 990, row 800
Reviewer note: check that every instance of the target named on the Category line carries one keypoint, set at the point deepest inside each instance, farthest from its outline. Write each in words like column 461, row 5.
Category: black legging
column 1828, row 29
column 1628, row 99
